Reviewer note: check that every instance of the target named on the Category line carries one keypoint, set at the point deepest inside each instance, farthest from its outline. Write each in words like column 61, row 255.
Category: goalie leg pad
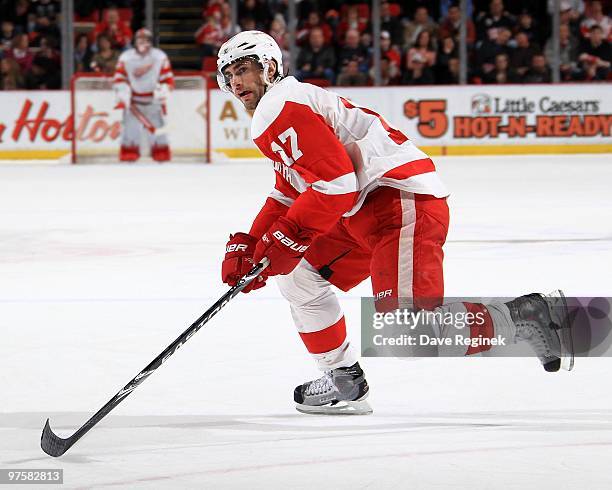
column 129, row 153
column 161, row 153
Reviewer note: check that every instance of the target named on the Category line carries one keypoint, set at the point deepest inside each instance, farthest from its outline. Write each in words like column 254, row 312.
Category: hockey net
column 97, row 124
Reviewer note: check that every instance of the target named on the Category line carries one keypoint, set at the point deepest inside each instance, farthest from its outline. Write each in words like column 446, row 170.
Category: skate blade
column 560, row 315
column 359, row 407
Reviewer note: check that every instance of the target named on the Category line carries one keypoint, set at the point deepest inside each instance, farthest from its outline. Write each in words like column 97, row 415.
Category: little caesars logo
column 485, row 105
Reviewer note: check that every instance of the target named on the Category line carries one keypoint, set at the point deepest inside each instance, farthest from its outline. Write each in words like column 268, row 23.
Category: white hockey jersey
column 143, row 72
column 329, row 154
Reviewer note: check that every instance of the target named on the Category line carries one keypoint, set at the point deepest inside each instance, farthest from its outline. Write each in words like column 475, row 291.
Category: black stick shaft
column 55, row 446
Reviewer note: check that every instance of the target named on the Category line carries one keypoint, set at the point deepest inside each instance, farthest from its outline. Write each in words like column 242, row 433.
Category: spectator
column 388, row 51
column 7, row 35
column 210, row 34
column 574, row 8
column 522, row 55
column 116, row 30
column 502, row 72
column 350, row 21
column 19, row 16
column 595, row 55
column 48, row 49
column 353, row 51
column 44, row 74
column 278, row 29
column 596, row 17
column 253, row 9
column 44, row 26
column 526, row 24
column 485, row 56
column 248, row 24
column 105, row 59
column 226, row 22
column 423, row 52
column 568, row 51
column 448, row 51
column 351, row 76
column 489, row 23
column 316, row 60
column 46, row 8
column 21, row 52
column 539, row 71
column 389, row 72
column 418, row 73
column 10, row 75
column 390, row 23
column 446, row 5
column 314, row 20
column 451, row 24
column 571, row 17
column 365, row 41
column 450, row 76
column 421, row 22
column 82, row 53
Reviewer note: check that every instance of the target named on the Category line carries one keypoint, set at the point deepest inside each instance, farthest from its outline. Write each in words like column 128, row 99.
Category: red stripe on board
column 477, row 328
column 411, row 169
column 325, row 340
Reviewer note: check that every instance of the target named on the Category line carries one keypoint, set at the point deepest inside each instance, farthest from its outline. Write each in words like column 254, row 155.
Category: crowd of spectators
column 30, row 40
column 29, row 44
column 508, row 42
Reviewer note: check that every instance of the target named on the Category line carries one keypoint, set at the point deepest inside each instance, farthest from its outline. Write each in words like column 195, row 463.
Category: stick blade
column 52, row 444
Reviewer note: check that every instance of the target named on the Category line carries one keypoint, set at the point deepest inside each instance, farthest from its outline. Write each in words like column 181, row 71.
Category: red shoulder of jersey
column 301, row 138
column 297, row 136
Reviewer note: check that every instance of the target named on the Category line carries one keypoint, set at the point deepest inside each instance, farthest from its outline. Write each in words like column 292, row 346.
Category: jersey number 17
column 290, row 135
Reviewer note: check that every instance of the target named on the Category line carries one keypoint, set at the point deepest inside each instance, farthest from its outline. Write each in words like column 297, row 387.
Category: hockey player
column 353, row 198
column 142, row 81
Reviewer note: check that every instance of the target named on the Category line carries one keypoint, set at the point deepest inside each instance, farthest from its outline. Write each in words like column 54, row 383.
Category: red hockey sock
column 479, row 328
column 325, row 340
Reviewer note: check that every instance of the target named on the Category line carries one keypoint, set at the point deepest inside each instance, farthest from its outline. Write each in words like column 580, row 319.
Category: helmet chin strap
column 264, row 75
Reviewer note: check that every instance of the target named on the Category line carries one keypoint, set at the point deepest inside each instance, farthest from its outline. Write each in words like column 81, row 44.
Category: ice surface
column 102, row 266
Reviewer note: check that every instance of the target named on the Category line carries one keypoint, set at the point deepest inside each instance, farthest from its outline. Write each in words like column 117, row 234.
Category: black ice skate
column 543, row 321
column 339, row 391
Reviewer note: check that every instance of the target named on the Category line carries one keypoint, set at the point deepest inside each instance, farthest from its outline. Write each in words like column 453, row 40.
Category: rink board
column 443, row 120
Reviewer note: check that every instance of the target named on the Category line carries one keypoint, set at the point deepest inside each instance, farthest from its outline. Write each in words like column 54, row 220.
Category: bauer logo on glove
column 284, row 244
column 289, row 242
column 239, row 260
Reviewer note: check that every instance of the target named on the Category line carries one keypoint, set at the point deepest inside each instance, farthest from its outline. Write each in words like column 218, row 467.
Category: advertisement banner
column 442, row 120
column 34, row 124
column 477, row 119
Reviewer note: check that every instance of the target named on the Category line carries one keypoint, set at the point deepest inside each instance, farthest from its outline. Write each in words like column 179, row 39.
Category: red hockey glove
column 284, row 245
column 239, row 260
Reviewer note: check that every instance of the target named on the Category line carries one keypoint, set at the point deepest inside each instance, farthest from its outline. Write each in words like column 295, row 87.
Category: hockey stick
column 148, row 125
column 56, row 446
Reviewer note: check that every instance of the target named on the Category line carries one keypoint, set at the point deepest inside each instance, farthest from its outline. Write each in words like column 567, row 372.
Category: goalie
column 143, row 78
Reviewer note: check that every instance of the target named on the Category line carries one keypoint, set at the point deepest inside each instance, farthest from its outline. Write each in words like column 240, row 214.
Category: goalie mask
column 143, row 40
column 255, row 45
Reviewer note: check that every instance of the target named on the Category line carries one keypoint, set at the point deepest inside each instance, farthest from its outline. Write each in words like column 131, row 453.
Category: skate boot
column 339, row 391
column 542, row 321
